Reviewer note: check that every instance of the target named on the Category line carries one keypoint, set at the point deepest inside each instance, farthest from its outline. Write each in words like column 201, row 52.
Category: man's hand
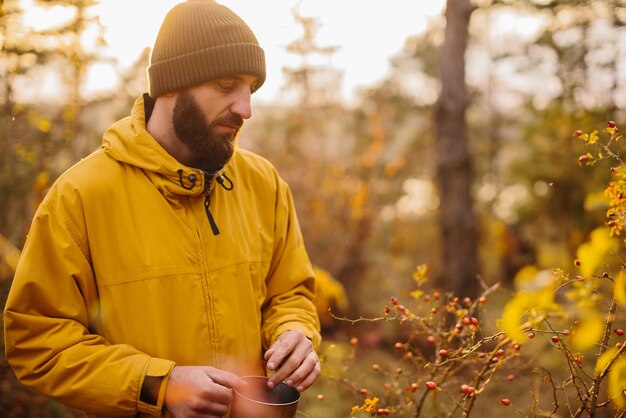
column 200, row 391
column 294, row 361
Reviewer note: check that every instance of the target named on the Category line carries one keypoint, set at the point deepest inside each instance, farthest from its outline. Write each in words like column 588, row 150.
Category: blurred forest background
column 462, row 158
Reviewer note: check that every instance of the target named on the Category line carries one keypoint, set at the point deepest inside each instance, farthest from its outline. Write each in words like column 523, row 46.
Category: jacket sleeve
column 49, row 318
column 290, row 282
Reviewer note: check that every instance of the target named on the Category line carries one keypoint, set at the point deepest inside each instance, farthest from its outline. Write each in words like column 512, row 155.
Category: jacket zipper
column 207, row 203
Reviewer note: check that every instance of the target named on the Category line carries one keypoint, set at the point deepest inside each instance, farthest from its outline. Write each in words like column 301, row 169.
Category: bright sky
column 368, row 33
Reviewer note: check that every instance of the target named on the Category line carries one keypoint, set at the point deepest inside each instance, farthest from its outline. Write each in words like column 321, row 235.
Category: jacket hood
column 129, row 142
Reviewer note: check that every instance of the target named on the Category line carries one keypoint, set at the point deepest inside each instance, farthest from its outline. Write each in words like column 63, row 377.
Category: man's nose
column 242, row 106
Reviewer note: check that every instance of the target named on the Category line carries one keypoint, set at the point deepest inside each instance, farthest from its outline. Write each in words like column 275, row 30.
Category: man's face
column 209, row 133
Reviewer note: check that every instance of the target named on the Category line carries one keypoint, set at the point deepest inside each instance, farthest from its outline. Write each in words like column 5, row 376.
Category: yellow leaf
column 594, row 252
column 512, row 314
column 617, row 382
column 416, row 294
column 588, row 332
column 620, row 288
column 604, row 360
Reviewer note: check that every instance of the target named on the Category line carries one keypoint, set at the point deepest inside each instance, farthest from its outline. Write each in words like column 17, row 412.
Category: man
column 168, row 263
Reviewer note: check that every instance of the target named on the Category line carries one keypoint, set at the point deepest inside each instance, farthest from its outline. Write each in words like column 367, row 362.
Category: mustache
column 231, row 119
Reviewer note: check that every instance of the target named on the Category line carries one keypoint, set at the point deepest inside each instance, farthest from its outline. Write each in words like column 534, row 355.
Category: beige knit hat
column 200, row 40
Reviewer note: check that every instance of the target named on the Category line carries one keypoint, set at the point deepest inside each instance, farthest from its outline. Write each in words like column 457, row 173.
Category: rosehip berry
column 430, row 385
column 431, row 339
column 443, row 352
column 619, row 332
column 354, row 341
column 583, row 158
column 505, row 402
column 413, row 387
column 474, row 321
column 426, row 298
column 387, row 310
column 436, row 295
column 399, row 346
column 320, row 397
column 531, row 335
column 510, row 377
column 383, row 411
column 555, row 339
column 500, row 353
column 364, row 391
column 467, row 390
column 434, row 311
column 467, row 302
column 579, row 132
column 611, row 124
column 482, row 300
column 394, row 300
column 466, row 320
column 375, row 367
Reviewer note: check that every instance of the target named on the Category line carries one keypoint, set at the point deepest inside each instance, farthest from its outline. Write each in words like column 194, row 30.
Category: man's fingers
column 224, row 378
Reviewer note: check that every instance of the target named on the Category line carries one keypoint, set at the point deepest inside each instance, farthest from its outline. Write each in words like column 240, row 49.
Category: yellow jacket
column 122, row 275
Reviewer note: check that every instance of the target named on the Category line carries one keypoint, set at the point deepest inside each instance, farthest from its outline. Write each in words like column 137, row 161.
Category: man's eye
column 225, row 87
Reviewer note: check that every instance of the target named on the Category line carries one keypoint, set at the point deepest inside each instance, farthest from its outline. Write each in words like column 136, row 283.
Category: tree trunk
column 458, row 222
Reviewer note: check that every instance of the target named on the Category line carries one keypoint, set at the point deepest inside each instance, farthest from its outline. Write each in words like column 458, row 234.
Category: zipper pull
column 207, row 203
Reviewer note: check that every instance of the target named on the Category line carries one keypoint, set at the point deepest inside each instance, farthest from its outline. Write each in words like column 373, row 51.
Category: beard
column 211, row 150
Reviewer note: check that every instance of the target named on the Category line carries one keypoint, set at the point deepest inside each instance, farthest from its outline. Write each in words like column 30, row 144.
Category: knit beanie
column 201, row 40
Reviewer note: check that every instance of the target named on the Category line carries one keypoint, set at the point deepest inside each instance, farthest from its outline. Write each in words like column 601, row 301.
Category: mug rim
column 267, row 403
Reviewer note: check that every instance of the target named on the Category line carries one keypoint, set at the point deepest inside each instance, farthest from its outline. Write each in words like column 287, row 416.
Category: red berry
column 467, row 390
column 482, row 300
column 436, row 295
column 394, row 300
column 531, row 335
column 431, row 340
column 383, row 411
column 505, row 402
column 426, row 298
column 583, row 158
column 500, row 353
column 612, row 124
column 510, row 377
column 619, row 332
column 399, row 346
column 413, row 387
column 555, row 339
column 320, row 397
column 430, row 385
column 466, row 320
column 474, row 321
column 354, row 341
column 443, row 352
column 434, row 311
column 364, row 391
column 579, row 132
column 387, row 310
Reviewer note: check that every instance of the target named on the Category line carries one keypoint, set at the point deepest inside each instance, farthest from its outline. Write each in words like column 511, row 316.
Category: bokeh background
column 411, row 132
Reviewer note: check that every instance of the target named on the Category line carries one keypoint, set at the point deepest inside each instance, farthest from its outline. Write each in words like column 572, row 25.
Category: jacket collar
column 129, row 142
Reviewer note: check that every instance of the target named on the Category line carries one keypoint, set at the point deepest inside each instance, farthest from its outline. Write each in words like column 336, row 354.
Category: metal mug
column 256, row 400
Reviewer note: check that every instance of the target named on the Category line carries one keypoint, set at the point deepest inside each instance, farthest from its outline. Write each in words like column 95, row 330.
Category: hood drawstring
column 191, row 178
column 221, row 180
